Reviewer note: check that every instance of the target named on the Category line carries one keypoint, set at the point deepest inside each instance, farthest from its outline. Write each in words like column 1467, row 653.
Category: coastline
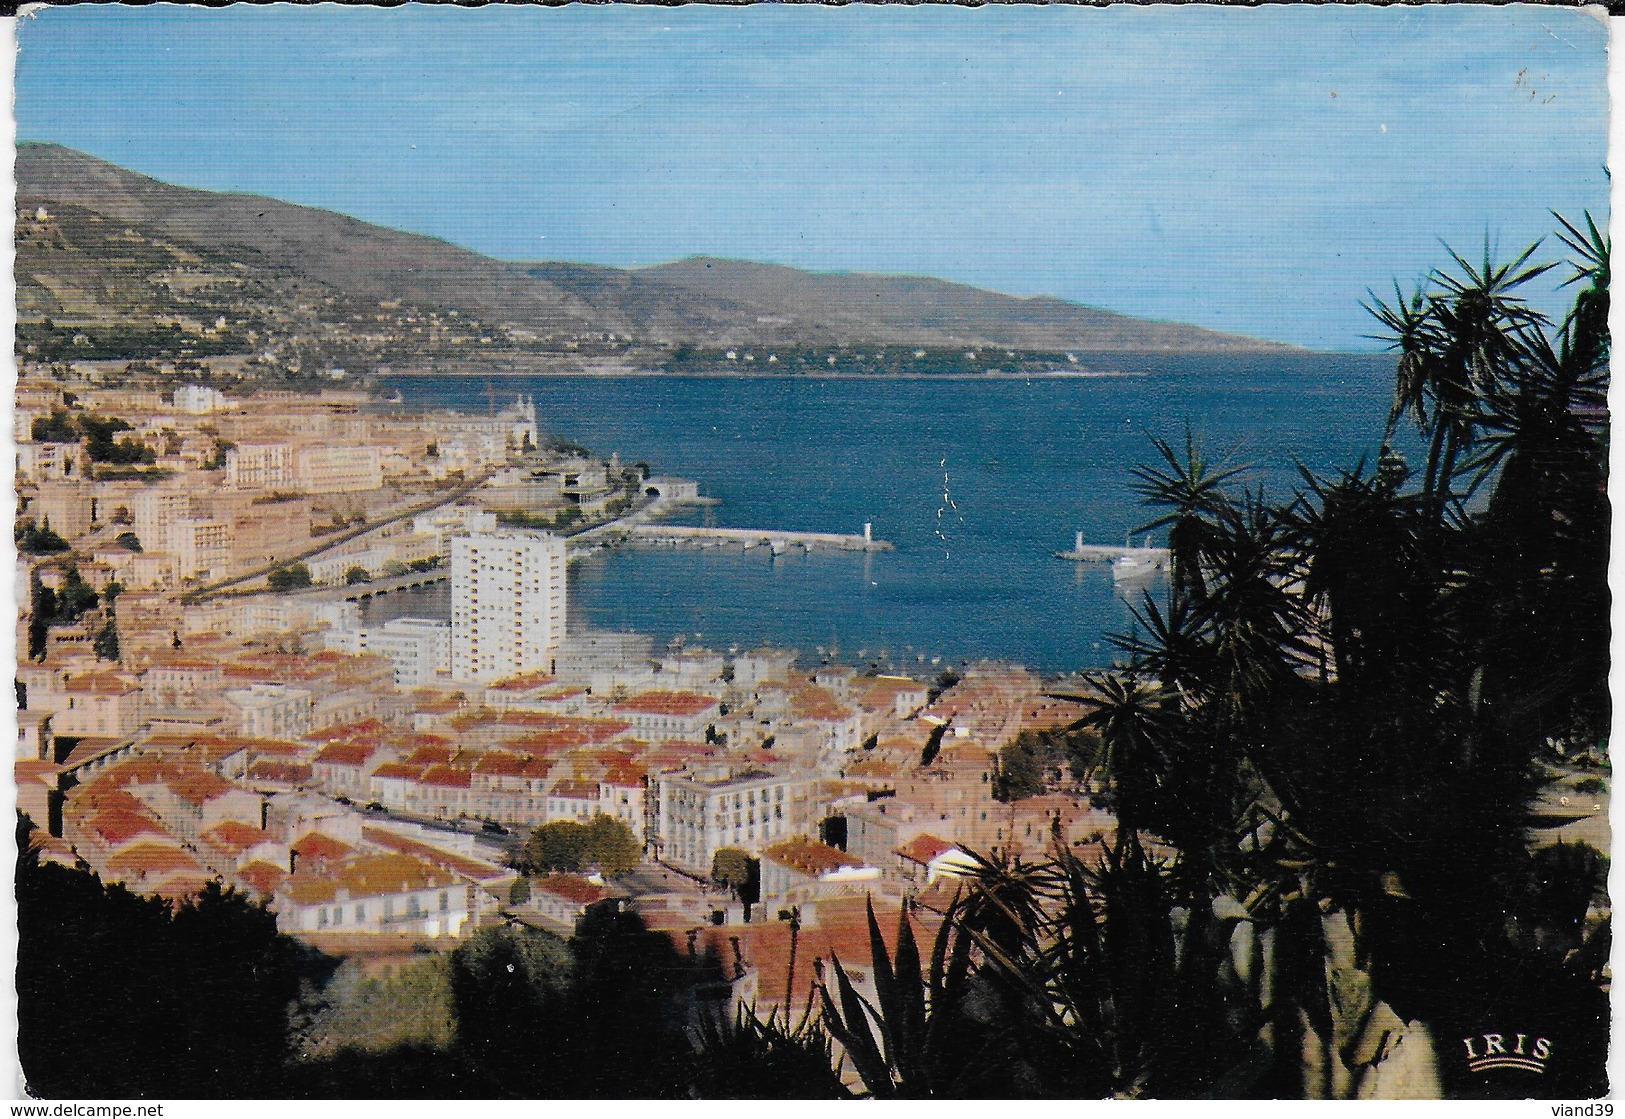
column 742, row 375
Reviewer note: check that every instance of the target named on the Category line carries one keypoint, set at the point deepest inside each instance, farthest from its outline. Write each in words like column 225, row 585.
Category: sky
column 1249, row 170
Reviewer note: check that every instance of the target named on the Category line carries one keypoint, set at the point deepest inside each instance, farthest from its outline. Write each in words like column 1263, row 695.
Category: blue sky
column 1248, row 170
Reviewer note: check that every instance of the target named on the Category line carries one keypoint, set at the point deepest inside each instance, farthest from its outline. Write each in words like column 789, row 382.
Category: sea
column 976, row 482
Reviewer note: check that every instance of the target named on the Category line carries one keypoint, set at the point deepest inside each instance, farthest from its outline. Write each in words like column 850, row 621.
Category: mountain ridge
column 698, row 302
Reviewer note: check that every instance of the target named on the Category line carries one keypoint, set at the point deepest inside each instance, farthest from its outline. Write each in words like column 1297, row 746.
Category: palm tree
column 1338, row 717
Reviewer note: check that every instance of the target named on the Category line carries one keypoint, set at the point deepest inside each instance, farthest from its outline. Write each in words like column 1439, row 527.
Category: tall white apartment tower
column 507, row 603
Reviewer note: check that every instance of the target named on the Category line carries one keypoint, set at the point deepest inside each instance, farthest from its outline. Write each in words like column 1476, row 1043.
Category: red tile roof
column 676, row 752
column 418, row 740
column 151, row 859
column 686, row 704
column 571, row 888
column 520, row 683
column 29, row 769
column 923, row 848
column 117, row 827
column 809, row 856
column 444, row 776
column 625, row 775
column 234, row 836
column 100, row 683
column 280, row 772
column 175, row 740
column 89, row 746
column 183, row 664
column 262, row 877
column 364, row 876
column 477, row 869
column 200, row 786
column 316, row 845
column 499, row 764
column 100, row 797
column 344, row 753
column 575, row 790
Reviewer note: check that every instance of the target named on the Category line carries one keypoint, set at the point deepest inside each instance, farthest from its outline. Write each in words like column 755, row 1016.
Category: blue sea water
column 976, row 482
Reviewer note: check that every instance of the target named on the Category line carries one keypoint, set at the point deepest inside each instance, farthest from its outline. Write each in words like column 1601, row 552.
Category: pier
column 776, row 540
column 1113, row 553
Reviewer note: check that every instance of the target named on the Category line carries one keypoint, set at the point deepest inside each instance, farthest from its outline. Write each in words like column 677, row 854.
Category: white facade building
column 154, row 509
column 696, row 813
column 260, row 466
column 418, row 648
column 199, row 400
column 340, row 469
column 507, row 603
column 271, row 710
column 449, row 520
column 201, row 546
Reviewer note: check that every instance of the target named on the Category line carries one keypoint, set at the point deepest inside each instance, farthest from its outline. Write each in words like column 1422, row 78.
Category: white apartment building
column 340, row 469
column 271, row 710
column 154, row 509
column 330, row 568
column 697, row 813
column 449, row 520
column 272, row 613
column 41, row 461
column 260, row 466
column 199, row 400
column 138, row 571
column 389, row 893
column 201, row 546
column 418, row 648
column 507, row 603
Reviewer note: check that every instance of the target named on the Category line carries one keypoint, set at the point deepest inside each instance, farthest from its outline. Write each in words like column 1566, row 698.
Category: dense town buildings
column 193, row 710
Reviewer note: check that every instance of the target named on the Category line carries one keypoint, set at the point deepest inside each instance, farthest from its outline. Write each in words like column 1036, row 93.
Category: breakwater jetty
column 775, row 540
column 1113, row 553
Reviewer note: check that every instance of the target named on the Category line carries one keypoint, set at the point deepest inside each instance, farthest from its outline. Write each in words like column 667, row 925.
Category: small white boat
column 1127, row 569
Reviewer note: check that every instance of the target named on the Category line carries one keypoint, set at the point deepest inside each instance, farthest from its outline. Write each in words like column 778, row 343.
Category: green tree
column 1363, row 684
column 556, row 846
column 217, row 456
column 1021, row 766
column 106, row 645
column 39, row 540
column 604, row 844
column 293, row 577
column 510, row 988
column 730, row 867
column 74, row 597
column 357, row 575
column 120, row 996
column 933, row 744
column 41, row 613
column 610, row 847
column 737, row 871
column 58, row 427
